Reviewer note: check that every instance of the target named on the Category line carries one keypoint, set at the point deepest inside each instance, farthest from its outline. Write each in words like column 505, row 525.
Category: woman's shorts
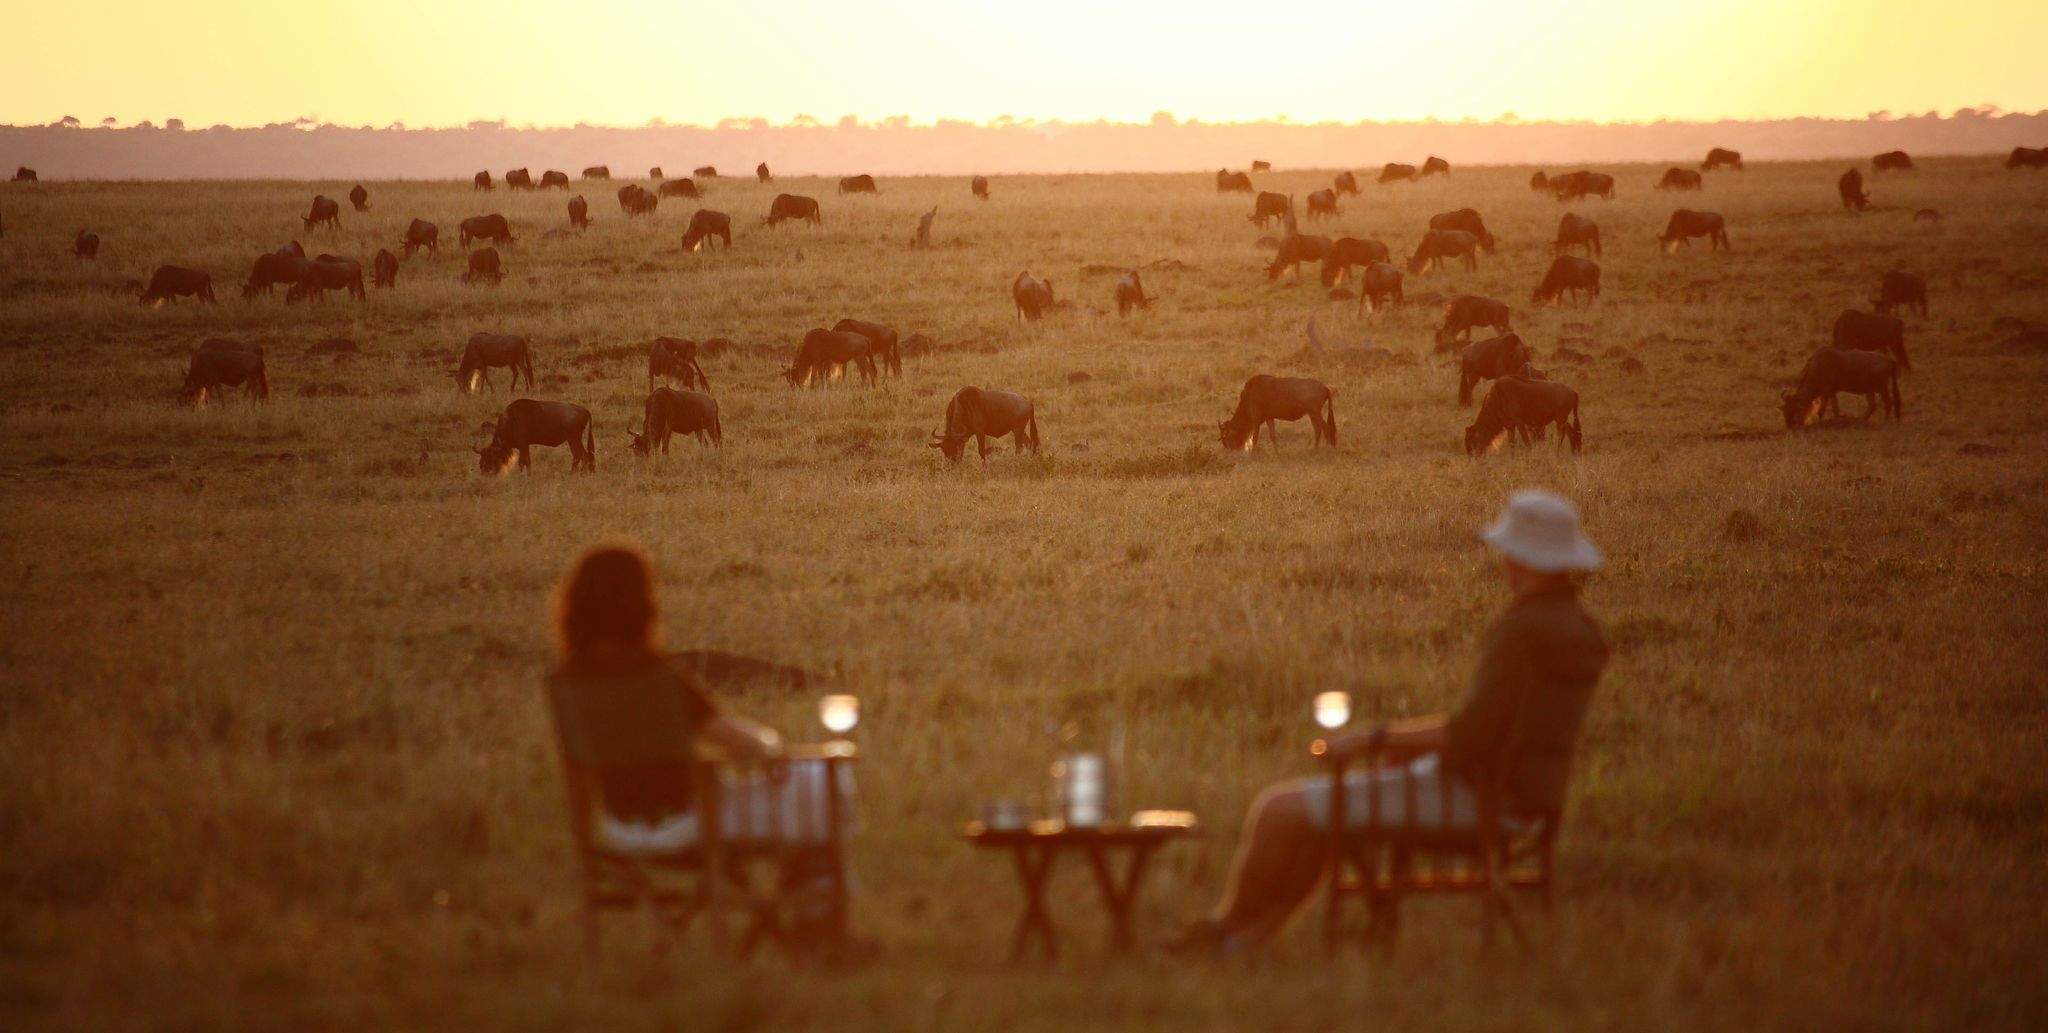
column 755, row 810
column 1435, row 792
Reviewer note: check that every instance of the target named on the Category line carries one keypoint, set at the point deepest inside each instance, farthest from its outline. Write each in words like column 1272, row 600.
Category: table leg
column 1034, row 864
column 1119, row 896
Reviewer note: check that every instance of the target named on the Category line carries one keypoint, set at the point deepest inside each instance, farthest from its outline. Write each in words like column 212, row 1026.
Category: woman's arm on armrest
column 740, row 739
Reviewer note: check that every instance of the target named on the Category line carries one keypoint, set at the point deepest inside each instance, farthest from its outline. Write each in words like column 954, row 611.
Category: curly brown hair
column 605, row 611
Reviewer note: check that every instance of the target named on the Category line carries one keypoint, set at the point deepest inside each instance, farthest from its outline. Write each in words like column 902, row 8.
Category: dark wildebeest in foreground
column 272, row 268
column 1850, row 186
column 221, row 363
column 579, row 212
column 1892, row 161
column 1539, row 181
column 1033, row 296
column 1437, row 245
column 1686, row 224
column 861, row 184
column 24, row 174
column 554, row 178
column 793, row 206
column 1395, row 171
column 981, row 414
column 518, row 179
column 1380, row 284
column 1722, row 158
column 635, row 199
column 1490, row 359
column 1861, row 331
column 1130, row 294
column 329, row 273
column 1466, row 219
column 1575, row 185
column 1296, row 248
column 825, row 353
column 704, row 225
column 326, row 210
column 1345, row 183
column 1901, row 289
column 675, row 357
column 1681, row 179
column 1346, row 252
column 493, row 228
column 684, row 187
column 484, row 267
column 485, row 351
column 1831, row 371
column 978, row 186
column 1266, row 399
column 384, row 269
column 602, row 172
column 761, row 173
column 705, row 171
column 2027, row 158
column 1568, row 273
column 1466, row 311
column 881, row 342
column 1322, row 202
column 1259, row 165
column 358, row 198
column 480, row 181
column 1524, row 408
column 173, row 281
column 1576, row 230
column 526, row 423
column 85, row 245
column 1434, row 166
column 676, row 412
column 1269, row 205
column 421, row 234
column 1233, row 182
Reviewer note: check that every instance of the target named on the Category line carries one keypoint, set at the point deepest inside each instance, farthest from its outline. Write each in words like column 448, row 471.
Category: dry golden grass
column 272, row 748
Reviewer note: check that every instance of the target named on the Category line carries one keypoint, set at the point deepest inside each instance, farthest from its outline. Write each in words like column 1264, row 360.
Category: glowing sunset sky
column 430, row 62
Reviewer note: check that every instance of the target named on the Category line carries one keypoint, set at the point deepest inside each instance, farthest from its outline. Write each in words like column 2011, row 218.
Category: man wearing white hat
column 1524, row 705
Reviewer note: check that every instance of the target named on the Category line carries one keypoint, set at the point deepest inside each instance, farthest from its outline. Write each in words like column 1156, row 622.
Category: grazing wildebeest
column 1525, row 408
column 861, row 184
column 85, row 245
column 1901, row 289
column 1490, row 359
column 1466, row 219
column 579, row 212
column 554, row 178
column 881, row 342
column 24, row 174
column 325, row 209
column 2027, row 158
column 1850, row 186
column 221, row 363
column 1322, row 202
column 1576, row 230
column 1830, row 371
column 421, row 234
column 1574, row 185
column 1892, row 161
column 1259, row 165
column 1437, row 245
column 761, row 173
column 676, row 412
column 603, row 172
column 706, row 171
column 1346, row 252
column 1032, row 296
column 1861, row 331
column 272, row 268
column 826, row 353
column 1228, row 182
column 706, row 224
column 481, row 181
column 526, row 423
column 1686, row 224
column 484, row 266
column 654, row 173
column 493, row 228
column 329, row 273
column 1130, row 294
column 1296, row 248
column 635, row 199
column 1568, row 273
column 1266, row 399
column 675, row 357
column 1269, row 205
column 1379, row 283
column 979, row 187
column 981, row 414
column 519, row 179
column 1434, row 166
column 1394, row 171
column 1345, row 183
column 793, row 206
column 1722, row 157
column 171, row 281
column 1681, row 179
column 684, row 187
column 1538, row 180
column 1467, row 311
column 359, row 198
column 384, row 269
column 487, row 350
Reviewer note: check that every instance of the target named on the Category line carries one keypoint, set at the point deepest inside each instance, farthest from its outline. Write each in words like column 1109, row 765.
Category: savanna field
column 274, row 752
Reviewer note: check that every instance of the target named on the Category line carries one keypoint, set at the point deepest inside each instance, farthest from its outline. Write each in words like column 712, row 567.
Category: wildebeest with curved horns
column 1269, row 205
column 1524, row 408
column 1490, row 359
column 1379, row 283
column 707, row 171
column 1681, row 179
column 1266, row 399
column 173, row 281
column 704, row 225
column 1296, row 248
column 519, row 179
column 761, row 173
column 1892, row 161
column 676, row 412
column 981, row 414
column 480, row 181
column 484, row 267
column 554, row 178
column 579, row 212
column 1434, row 166
column 492, row 227
column 1830, row 371
column 684, row 187
column 603, row 172
column 1686, row 224
column 358, row 198
column 1861, row 331
column 1346, row 252
column 1901, row 289
column 1467, row 311
column 978, row 186
column 1850, row 187
column 1322, row 202
column 222, row 363
column 526, row 423
column 1576, row 230
column 85, row 245
column 861, row 184
column 1574, row 185
column 675, row 357
column 1395, row 171
column 329, row 273
column 272, row 268
column 2027, row 158
column 793, row 206
column 1033, row 297
column 1568, row 273
column 384, row 269
column 485, row 351
column 1233, row 182
column 1130, row 294
column 881, row 342
column 421, row 234
column 1345, row 183
column 1722, row 157
column 826, row 352
column 1437, row 245
column 326, row 210
column 635, row 199
column 1466, row 219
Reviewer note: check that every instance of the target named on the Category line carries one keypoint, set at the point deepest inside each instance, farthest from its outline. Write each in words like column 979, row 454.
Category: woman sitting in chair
column 1537, row 668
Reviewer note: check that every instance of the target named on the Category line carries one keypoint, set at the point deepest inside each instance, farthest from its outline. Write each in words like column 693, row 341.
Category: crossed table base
column 1034, row 848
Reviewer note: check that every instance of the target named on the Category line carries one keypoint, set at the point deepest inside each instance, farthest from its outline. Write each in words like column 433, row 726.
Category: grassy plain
column 272, row 747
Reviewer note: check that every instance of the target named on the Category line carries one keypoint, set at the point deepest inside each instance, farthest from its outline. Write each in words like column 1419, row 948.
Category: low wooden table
column 1034, row 848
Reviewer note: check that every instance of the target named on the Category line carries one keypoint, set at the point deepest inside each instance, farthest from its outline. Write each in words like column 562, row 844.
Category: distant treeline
column 894, row 147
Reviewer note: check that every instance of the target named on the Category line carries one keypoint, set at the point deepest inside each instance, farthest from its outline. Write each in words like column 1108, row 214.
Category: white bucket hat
column 1541, row 532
